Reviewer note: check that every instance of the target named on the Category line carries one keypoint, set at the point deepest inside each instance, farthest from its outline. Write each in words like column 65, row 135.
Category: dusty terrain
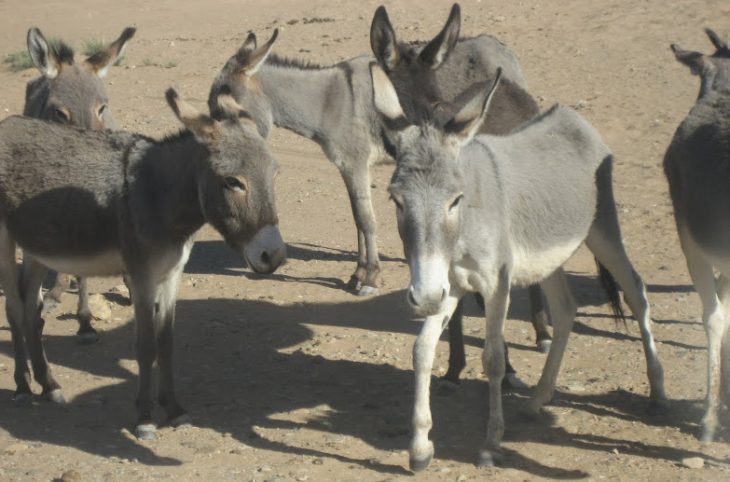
column 291, row 377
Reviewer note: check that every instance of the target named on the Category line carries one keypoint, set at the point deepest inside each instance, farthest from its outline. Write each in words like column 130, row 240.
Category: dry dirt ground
column 291, row 377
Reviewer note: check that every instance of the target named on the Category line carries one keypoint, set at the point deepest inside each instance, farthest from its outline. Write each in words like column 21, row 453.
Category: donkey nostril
column 265, row 258
column 443, row 295
column 411, row 298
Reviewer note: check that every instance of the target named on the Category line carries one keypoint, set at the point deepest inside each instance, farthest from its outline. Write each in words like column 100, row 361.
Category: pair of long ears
column 50, row 59
column 385, row 45
column 249, row 57
column 462, row 126
column 696, row 61
column 205, row 128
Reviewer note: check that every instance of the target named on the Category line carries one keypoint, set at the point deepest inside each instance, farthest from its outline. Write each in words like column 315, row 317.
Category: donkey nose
column 426, row 303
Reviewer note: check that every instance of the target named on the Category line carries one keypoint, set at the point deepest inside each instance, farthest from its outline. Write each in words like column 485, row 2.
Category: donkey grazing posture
column 332, row 106
column 73, row 94
column 109, row 203
column 697, row 166
column 421, row 77
column 480, row 214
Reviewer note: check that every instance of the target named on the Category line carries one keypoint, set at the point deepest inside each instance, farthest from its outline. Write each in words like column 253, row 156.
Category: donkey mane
column 280, row 61
column 538, row 118
column 63, row 51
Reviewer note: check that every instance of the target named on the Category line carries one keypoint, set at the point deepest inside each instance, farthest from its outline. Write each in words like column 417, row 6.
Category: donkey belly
column 106, row 263
column 532, row 266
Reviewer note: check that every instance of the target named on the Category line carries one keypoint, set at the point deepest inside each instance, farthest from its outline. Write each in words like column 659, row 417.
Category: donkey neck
column 300, row 95
column 163, row 188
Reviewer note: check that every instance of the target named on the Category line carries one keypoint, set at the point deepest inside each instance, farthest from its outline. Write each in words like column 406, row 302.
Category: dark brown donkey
column 72, row 93
column 112, row 202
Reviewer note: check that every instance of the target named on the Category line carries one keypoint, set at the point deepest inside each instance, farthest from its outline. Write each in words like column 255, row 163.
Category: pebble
column 461, row 478
column 99, row 307
column 15, row 448
column 693, row 462
column 71, row 476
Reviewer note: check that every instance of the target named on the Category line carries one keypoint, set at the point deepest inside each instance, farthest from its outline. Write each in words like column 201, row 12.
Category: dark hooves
column 446, row 386
column 489, row 458
column 512, row 382
column 366, row 290
column 543, row 346
column 658, row 407
column 179, row 421
column 419, row 465
column 55, row 396
column 23, row 399
column 146, row 431
column 87, row 337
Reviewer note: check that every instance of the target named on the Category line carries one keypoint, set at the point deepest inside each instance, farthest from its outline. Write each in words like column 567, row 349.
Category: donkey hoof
column 489, row 458
column 543, row 346
column 88, row 337
column 55, row 396
column 659, row 406
column 419, row 465
column 180, row 421
column 529, row 412
column 446, row 387
column 366, row 290
column 146, row 431
column 512, row 382
column 22, row 399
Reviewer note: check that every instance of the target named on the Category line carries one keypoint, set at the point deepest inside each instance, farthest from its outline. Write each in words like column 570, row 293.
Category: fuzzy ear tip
column 171, row 96
column 129, row 33
column 275, row 34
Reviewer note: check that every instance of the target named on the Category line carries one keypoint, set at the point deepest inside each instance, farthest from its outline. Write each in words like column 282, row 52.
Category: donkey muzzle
column 426, row 302
column 266, row 251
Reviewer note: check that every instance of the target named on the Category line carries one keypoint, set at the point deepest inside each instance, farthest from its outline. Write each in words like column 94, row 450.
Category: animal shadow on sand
column 239, row 376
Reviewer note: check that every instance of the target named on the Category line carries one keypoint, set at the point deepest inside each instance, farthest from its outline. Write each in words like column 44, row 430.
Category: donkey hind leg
column 31, row 279
column 59, row 288
column 14, row 313
column 540, row 318
column 563, row 309
column 421, row 450
column 145, row 309
column 357, row 181
column 713, row 317
column 457, row 357
column 86, row 334
column 164, row 328
column 493, row 359
column 605, row 244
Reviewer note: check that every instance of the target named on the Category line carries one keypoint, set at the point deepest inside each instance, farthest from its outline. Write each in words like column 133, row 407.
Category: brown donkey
column 73, row 94
column 113, row 203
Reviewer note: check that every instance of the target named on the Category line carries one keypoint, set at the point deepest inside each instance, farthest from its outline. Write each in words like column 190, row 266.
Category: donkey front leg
column 421, row 451
column 357, row 181
column 493, row 359
column 563, row 309
column 31, row 280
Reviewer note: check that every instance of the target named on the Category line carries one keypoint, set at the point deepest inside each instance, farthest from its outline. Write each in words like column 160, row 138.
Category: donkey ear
column 382, row 39
column 719, row 44
column 386, row 100
column 103, row 59
column 438, row 49
column 250, row 58
column 43, row 57
column 468, row 120
column 202, row 126
column 694, row 60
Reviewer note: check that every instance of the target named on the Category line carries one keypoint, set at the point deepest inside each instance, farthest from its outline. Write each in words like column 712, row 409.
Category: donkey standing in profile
column 72, row 94
column 424, row 75
column 112, row 202
column 697, row 166
column 332, row 105
column 481, row 214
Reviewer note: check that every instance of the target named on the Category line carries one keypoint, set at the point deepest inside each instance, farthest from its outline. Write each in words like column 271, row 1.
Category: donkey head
column 236, row 183
column 714, row 70
column 428, row 185
column 76, row 93
column 411, row 69
column 238, row 78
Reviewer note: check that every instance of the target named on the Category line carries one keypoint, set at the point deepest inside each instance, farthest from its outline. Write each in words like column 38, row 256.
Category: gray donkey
column 481, row 214
column 73, row 94
column 332, row 106
column 113, row 202
column 697, row 166
column 422, row 77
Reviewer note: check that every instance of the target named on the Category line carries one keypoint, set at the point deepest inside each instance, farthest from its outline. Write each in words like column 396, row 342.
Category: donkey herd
column 489, row 193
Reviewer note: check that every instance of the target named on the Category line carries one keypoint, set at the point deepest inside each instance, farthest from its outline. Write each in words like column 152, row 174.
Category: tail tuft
column 612, row 291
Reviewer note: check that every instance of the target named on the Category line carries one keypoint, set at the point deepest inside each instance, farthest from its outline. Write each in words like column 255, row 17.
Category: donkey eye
column 234, row 184
column 456, row 201
column 61, row 115
column 101, row 110
column 397, row 203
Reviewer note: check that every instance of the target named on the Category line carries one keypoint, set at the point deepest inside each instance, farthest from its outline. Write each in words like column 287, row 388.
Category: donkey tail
column 612, row 291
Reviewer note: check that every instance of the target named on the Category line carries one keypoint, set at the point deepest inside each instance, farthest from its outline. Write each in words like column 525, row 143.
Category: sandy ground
column 291, row 377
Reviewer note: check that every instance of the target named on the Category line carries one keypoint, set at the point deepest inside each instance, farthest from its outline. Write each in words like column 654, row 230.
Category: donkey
column 423, row 78
column 73, row 94
column 484, row 213
column 332, row 105
column 696, row 165
column 112, row 202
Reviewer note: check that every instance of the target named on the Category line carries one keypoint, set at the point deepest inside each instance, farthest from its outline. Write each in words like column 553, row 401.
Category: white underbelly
column 107, row 263
column 529, row 267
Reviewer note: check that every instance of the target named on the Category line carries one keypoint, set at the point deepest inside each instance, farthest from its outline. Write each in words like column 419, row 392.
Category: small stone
column 15, row 448
column 461, row 478
column 99, row 307
column 71, row 476
column 693, row 462
column 318, row 461
column 120, row 289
